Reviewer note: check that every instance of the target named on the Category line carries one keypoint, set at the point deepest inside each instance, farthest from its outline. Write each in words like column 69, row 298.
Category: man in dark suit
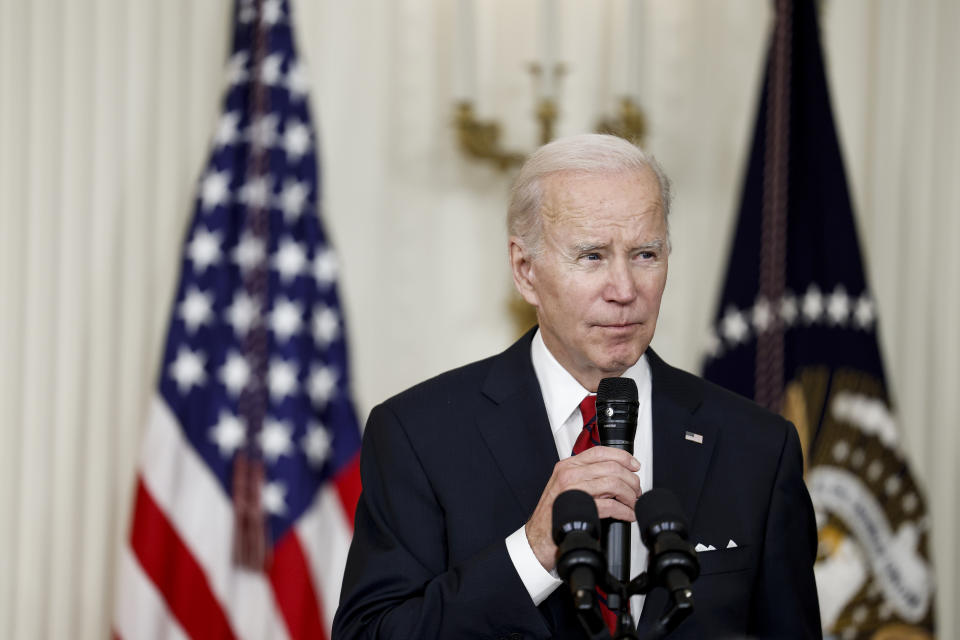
column 452, row 534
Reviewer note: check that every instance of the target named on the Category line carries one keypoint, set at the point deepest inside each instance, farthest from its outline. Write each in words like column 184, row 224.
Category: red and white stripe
column 177, row 579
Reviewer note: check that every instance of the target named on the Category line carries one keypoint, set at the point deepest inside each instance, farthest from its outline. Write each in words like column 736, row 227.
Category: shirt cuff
column 539, row 582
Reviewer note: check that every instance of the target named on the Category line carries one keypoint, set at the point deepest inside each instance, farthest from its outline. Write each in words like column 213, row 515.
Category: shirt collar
column 562, row 393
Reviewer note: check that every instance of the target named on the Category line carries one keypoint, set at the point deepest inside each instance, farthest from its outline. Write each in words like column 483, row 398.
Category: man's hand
column 607, row 474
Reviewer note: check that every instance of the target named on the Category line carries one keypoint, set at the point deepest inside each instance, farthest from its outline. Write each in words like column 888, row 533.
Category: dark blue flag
column 796, row 329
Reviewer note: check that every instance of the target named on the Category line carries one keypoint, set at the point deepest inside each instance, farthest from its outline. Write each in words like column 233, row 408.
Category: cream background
column 106, row 107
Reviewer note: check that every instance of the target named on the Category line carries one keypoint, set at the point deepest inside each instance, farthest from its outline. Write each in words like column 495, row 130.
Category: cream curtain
column 106, row 107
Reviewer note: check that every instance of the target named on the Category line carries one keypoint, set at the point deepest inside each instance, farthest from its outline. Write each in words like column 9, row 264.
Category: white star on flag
column 270, row 71
column 274, row 439
column 297, row 83
column 812, row 304
column 316, row 444
column 285, row 319
column 188, row 369
column 326, row 326
column 762, row 316
column 215, row 190
column 733, row 327
column 272, row 12
column 242, row 313
column 229, row 434
column 237, row 68
column 293, row 198
column 325, row 267
column 289, row 260
column 788, row 309
column 249, row 252
column 274, row 498
column 281, row 379
column 256, row 192
column 838, row 306
column 263, row 132
column 321, row 385
column 235, row 373
column 296, row 140
column 864, row 313
column 228, row 129
column 204, row 249
column 196, row 309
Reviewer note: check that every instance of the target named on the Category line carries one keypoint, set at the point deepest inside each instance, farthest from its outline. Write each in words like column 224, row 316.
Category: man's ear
column 521, row 263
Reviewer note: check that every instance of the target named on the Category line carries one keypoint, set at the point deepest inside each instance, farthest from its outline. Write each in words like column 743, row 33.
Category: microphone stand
column 680, row 605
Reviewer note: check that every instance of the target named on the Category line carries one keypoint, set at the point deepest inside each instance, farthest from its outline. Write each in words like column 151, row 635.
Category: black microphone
column 673, row 560
column 576, row 531
column 617, row 407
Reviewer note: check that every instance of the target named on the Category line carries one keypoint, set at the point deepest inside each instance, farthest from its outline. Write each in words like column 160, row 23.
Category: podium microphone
column 673, row 560
column 576, row 531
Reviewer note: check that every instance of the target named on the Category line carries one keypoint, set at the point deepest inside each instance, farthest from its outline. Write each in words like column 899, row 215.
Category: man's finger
column 609, row 508
column 597, row 454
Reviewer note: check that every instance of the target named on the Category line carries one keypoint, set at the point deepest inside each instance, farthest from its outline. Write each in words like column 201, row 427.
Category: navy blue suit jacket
column 454, row 465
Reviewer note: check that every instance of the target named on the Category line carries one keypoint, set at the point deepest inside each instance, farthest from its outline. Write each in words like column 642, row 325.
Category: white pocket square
column 700, row 548
column 731, row 544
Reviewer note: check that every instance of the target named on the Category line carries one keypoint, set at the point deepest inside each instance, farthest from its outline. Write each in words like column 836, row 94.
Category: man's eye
column 647, row 255
column 591, row 256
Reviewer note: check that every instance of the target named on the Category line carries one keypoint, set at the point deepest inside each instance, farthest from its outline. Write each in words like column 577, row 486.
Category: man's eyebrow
column 653, row 244
column 588, row 247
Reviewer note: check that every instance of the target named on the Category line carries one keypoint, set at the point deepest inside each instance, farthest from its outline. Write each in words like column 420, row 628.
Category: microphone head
column 617, row 389
column 617, row 407
column 575, row 511
column 659, row 511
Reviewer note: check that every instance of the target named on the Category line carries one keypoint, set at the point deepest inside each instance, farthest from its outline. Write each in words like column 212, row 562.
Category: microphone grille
column 574, row 510
column 659, row 509
column 617, row 389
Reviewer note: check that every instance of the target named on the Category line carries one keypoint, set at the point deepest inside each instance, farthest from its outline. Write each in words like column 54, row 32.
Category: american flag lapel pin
column 694, row 437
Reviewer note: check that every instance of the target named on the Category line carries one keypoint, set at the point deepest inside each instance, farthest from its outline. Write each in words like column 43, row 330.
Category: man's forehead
column 588, row 199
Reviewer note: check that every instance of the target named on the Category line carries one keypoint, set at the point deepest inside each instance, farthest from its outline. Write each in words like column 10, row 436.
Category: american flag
column 249, row 478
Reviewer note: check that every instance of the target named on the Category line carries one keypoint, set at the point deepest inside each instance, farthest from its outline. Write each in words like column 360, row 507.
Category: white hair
column 588, row 153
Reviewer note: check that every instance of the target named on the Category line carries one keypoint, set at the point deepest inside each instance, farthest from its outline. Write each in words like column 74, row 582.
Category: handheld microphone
column 617, row 407
column 673, row 560
column 576, row 531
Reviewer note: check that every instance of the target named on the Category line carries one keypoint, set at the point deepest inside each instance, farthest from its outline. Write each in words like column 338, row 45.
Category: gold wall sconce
column 481, row 139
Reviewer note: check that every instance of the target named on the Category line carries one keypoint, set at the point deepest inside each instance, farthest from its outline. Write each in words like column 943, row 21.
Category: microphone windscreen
column 658, row 506
column 575, row 510
column 617, row 389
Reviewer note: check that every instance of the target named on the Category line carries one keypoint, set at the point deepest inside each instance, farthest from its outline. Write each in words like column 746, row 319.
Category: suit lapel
column 516, row 428
column 679, row 464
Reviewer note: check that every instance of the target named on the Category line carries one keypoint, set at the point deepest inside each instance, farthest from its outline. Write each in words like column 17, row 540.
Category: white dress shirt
column 562, row 395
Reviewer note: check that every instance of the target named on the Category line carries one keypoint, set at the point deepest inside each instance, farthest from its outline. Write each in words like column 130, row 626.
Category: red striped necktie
column 590, row 437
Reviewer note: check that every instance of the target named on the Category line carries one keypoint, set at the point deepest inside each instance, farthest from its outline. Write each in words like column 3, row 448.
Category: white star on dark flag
column 188, row 369
column 229, row 434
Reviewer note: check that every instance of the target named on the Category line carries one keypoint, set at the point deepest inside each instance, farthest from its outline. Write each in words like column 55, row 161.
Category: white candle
column 549, row 41
column 634, row 24
column 465, row 68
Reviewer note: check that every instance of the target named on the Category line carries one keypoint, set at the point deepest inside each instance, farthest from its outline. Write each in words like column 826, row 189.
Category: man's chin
column 614, row 365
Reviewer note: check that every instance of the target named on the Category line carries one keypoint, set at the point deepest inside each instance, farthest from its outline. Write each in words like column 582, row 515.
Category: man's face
column 598, row 281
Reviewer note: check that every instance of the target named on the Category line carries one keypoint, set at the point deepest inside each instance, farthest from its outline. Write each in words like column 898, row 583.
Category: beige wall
column 106, row 107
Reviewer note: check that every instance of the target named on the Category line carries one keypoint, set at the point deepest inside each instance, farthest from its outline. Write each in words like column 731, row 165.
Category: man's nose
column 621, row 286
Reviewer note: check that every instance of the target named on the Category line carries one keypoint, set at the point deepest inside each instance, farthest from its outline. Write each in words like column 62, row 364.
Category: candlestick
column 549, row 41
column 465, row 69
